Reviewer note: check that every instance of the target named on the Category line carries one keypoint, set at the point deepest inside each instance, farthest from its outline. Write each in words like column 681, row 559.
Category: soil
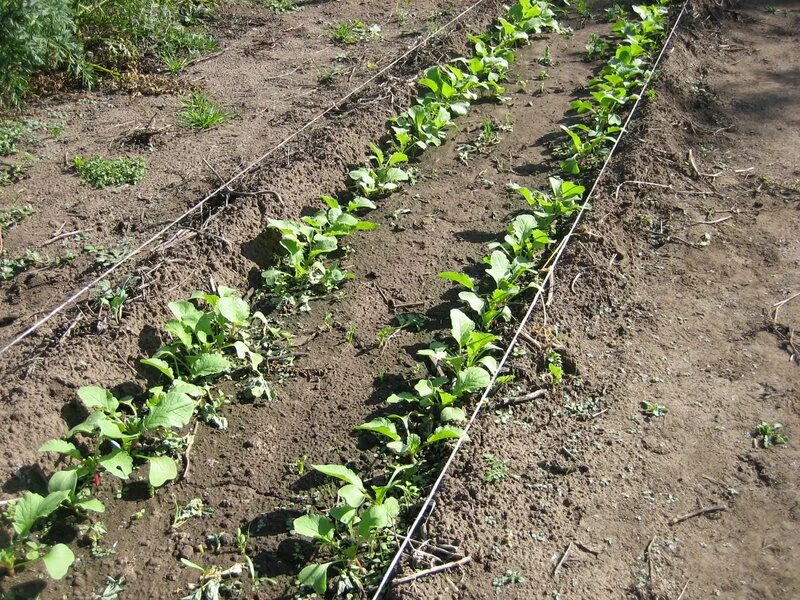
column 648, row 317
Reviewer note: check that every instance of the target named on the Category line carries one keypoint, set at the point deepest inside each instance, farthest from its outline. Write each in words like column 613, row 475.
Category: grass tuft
column 200, row 112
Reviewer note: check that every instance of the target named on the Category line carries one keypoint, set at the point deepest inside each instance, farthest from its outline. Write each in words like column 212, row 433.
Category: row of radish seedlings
column 214, row 335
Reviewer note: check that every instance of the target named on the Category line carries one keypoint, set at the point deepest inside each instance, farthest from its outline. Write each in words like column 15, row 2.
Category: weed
column 281, row 6
column 555, row 370
column 350, row 335
column 194, row 509
column 543, row 75
column 353, row 32
column 13, row 215
column 615, row 13
column 113, row 588
column 114, row 298
column 769, row 434
column 13, row 132
column 200, row 112
column 101, row 172
column 653, row 409
column 106, row 257
column 497, row 468
column 16, row 170
column 328, row 75
column 547, row 59
column 299, row 465
column 508, row 578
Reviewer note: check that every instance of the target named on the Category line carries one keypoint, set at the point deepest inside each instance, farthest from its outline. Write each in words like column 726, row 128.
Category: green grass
column 200, row 112
column 353, row 32
column 102, row 172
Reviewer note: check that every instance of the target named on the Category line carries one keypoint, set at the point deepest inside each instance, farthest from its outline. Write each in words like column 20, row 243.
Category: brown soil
column 642, row 315
column 244, row 473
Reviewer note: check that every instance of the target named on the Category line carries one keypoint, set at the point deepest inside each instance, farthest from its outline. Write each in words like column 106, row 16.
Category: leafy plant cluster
column 86, row 38
column 101, row 172
column 209, row 337
column 613, row 91
column 309, row 265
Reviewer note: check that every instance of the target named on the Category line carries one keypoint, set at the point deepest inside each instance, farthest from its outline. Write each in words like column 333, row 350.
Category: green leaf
column 92, row 504
column 340, row 472
column 461, row 278
column 314, row 526
column 382, row 426
column 207, row 364
column 471, row 380
column 63, row 481
column 499, row 266
column 185, row 312
column 62, row 447
column 234, row 309
column 474, row 301
column 97, row 397
column 315, row 576
column 453, row 413
column 462, row 326
column 446, row 432
column 179, row 331
column 352, row 495
column 375, row 517
column 99, row 421
column 159, row 365
column 119, row 463
column 162, row 470
column 58, row 561
column 174, row 410
column 32, row 507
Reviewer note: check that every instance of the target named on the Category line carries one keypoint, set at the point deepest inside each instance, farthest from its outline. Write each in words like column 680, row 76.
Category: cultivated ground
column 666, row 294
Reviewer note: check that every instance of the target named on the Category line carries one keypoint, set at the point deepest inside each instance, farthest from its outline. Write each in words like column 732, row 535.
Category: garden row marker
column 226, row 186
column 388, row 575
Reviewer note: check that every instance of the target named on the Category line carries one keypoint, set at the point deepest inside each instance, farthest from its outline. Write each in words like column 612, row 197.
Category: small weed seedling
column 508, row 578
column 13, row 215
column 653, row 409
column 547, row 59
column 597, row 47
column 555, row 369
column 200, row 112
column 768, row 435
column 101, row 172
column 497, row 468
column 353, row 32
column 282, row 6
column 350, row 335
column 194, row 509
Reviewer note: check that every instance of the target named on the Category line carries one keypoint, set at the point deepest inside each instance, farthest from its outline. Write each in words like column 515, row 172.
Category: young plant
column 350, row 534
column 353, row 32
column 382, row 178
column 101, row 172
column 653, row 409
column 29, row 515
column 769, row 434
column 200, row 112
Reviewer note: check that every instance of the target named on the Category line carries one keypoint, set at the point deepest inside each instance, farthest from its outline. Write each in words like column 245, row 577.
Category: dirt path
column 646, row 312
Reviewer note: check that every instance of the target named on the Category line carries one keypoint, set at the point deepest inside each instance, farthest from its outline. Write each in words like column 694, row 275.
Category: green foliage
column 200, row 112
column 496, row 470
column 653, row 409
column 37, row 36
column 82, row 39
column 13, row 215
column 353, row 32
column 102, row 172
column 769, row 434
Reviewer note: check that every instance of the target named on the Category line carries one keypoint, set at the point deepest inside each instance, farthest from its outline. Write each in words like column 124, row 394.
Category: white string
column 388, row 575
column 155, row 237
